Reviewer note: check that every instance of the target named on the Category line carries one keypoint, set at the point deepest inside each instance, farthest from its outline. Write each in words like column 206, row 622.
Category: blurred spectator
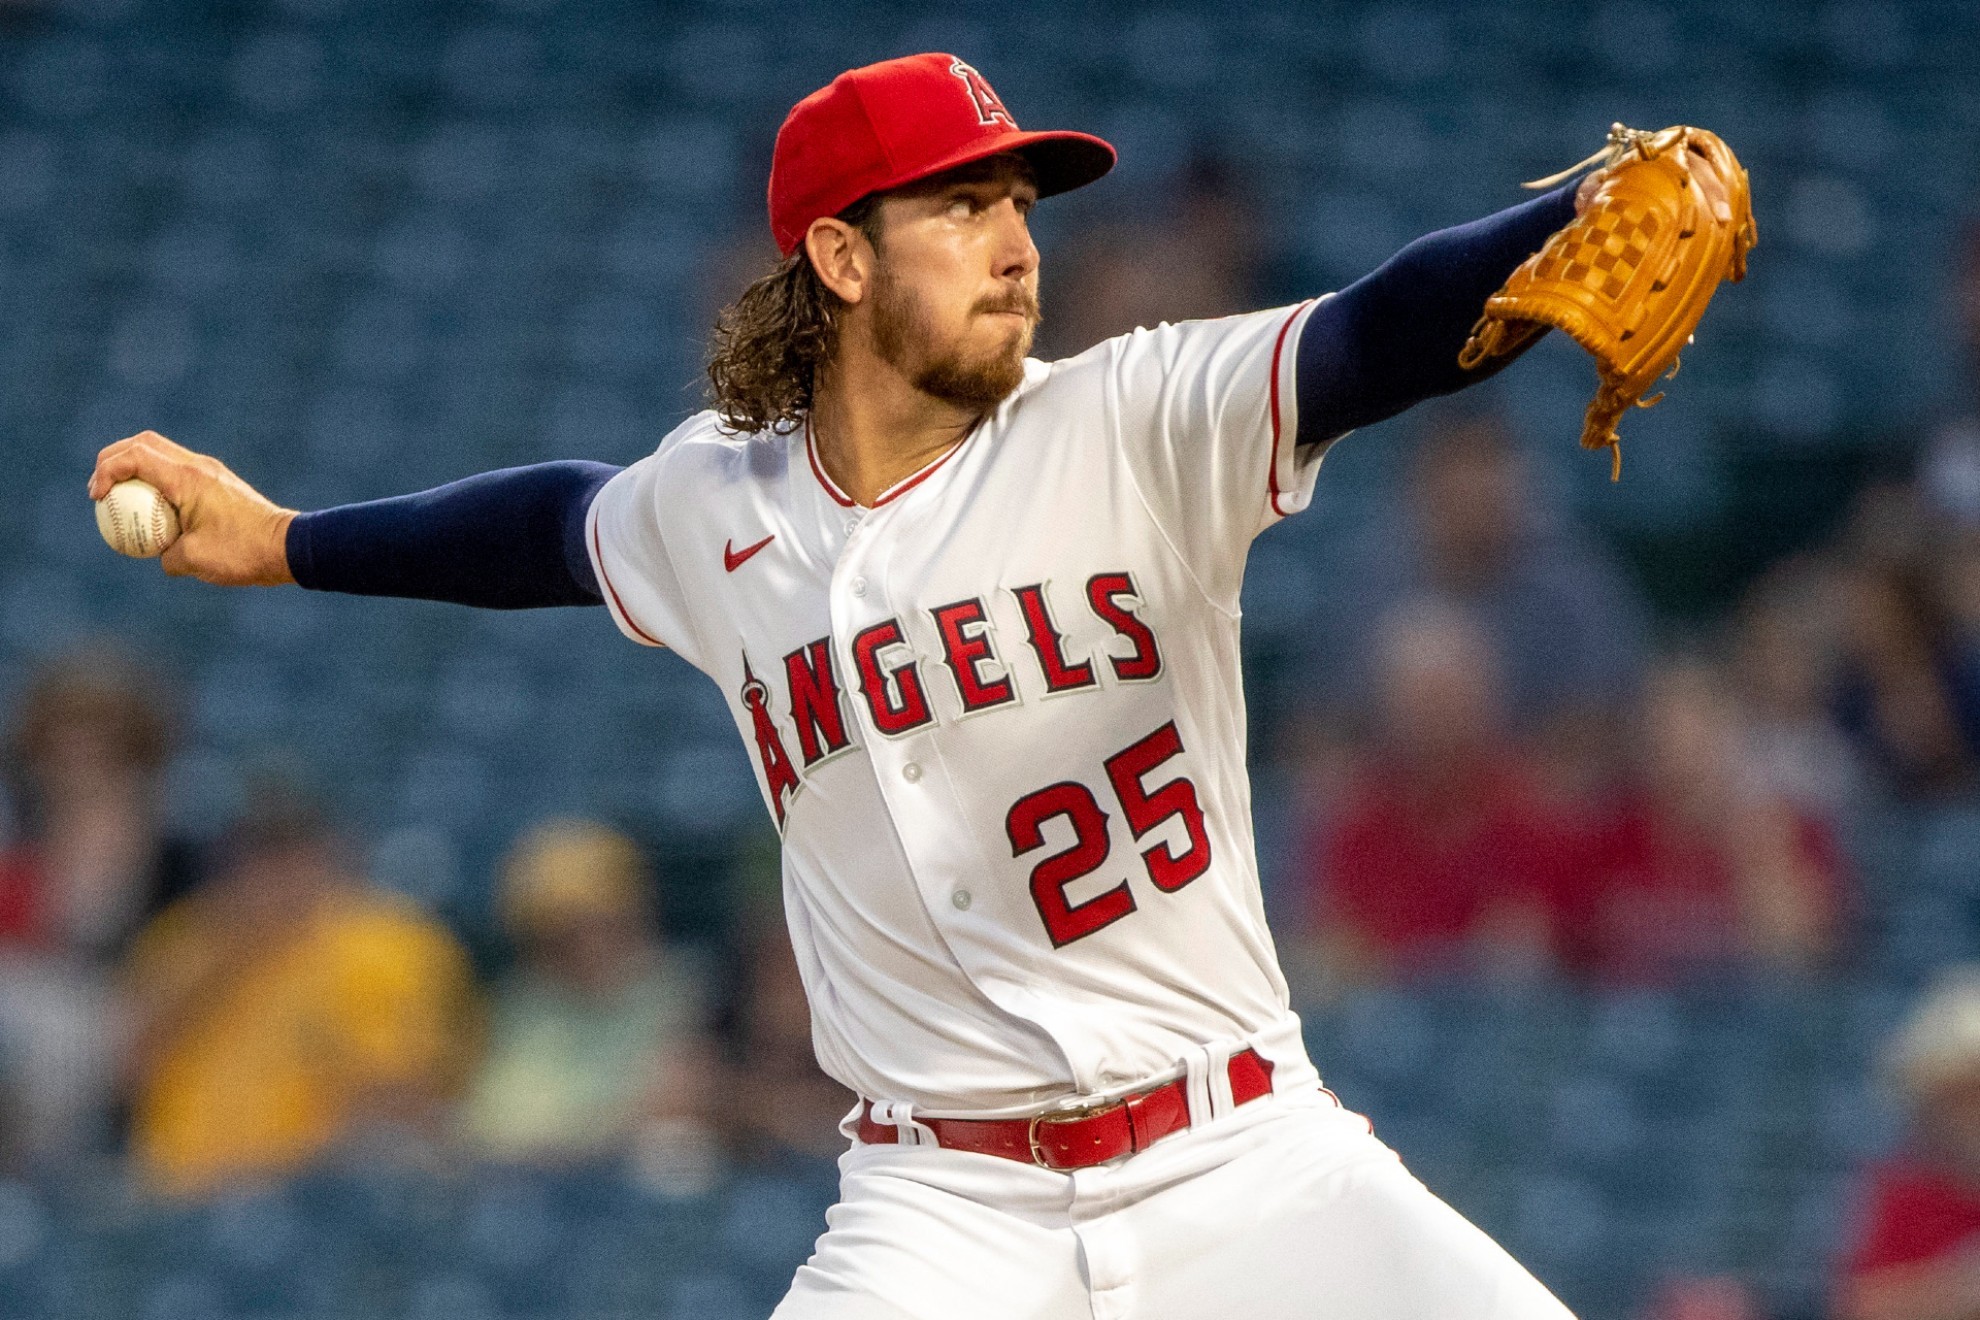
column 1950, row 470
column 1915, row 1251
column 595, row 1041
column 1712, row 1297
column 1701, row 867
column 1910, row 686
column 1957, row 563
column 60, row 1037
column 1198, row 260
column 1441, row 854
column 1785, row 666
column 1568, row 627
column 285, row 1008
column 91, row 863
column 13, row 1122
column 780, row 1105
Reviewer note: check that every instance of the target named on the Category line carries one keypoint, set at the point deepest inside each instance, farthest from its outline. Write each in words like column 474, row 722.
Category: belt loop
column 1197, row 1084
column 900, row 1115
column 1218, row 1075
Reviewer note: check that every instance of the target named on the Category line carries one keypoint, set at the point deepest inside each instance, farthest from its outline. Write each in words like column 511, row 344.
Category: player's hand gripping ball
column 1670, row 216
column 136, row 520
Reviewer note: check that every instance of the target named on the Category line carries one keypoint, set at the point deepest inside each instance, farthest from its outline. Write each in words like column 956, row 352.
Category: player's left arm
column 1391, row 339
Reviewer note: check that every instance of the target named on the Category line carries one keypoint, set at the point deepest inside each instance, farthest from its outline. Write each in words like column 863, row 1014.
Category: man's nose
column 1017, row 255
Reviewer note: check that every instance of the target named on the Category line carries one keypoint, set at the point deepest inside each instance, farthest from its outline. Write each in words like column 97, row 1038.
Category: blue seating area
column 594, row 1243
column 1611, row 1141
column 358, row 247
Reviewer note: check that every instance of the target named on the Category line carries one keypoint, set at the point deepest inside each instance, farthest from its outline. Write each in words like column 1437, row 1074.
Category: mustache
column 1020, row 300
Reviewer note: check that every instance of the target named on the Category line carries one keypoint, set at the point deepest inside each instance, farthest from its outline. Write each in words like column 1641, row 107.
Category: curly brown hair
column 769, row 344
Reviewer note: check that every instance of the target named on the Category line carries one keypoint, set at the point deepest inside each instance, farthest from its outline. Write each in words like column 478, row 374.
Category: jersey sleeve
column 625, row 534
column 1208, row 418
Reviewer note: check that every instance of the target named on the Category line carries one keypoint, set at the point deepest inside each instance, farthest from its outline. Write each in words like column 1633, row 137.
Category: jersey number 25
column 1145, row 809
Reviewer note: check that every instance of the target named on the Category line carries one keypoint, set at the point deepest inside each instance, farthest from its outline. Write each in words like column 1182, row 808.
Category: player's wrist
column 279, row 571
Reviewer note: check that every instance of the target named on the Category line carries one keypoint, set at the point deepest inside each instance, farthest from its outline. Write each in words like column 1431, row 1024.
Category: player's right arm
column 512, row 539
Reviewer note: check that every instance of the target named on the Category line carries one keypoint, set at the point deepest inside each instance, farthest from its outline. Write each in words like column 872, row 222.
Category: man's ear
column 842, row 257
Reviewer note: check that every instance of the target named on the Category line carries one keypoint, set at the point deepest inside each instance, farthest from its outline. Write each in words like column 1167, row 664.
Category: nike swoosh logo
column 733, row 559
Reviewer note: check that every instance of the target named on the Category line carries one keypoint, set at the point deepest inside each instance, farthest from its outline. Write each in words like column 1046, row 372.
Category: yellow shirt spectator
column 273, row 1034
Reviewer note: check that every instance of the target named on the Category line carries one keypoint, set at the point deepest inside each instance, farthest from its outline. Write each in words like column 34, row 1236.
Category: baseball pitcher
column 976, row 618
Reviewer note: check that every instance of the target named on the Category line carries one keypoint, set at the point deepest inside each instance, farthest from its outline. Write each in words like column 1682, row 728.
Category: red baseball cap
column 888, row 124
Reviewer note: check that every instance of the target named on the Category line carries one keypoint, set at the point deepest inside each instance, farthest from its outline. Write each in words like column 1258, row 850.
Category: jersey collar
column 893, row 492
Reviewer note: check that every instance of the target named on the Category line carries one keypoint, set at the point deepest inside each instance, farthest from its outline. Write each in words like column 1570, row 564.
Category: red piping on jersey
column 1272, row 472
column 619, row 606
column 893, row 492
column 839, row 497
column 922, row 475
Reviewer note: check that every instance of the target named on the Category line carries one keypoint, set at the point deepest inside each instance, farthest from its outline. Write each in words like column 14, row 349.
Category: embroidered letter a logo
column 989, row 106
column 780, row 777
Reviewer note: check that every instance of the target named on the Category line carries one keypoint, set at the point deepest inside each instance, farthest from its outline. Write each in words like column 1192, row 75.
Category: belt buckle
column 1074, row 1113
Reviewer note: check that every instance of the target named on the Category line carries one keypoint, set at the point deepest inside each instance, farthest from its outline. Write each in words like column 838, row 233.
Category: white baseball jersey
column 997, row 716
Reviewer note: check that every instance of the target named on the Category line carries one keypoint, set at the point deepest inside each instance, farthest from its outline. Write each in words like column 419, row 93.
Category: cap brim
column 1060, row 160
column 1064, row 161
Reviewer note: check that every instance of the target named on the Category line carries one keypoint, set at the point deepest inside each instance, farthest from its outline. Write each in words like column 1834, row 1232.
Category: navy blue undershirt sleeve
column 507, row 540
column 1391, row 339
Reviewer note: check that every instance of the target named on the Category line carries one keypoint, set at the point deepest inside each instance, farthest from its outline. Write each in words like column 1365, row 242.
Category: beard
column 904, row 336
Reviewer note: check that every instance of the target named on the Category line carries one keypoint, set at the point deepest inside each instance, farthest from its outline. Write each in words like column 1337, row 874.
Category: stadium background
column 359, row 247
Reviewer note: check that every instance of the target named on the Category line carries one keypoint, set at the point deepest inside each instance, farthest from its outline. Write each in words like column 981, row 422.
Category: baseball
column 136, row 520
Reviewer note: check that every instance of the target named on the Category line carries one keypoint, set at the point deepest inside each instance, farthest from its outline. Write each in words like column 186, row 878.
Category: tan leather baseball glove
column 1671, row 216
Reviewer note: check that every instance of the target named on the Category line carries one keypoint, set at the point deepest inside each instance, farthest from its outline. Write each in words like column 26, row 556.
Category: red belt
column 1077, row 1138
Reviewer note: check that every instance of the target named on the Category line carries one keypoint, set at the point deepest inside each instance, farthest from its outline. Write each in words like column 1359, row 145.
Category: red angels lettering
column 821, row 726
column 1060, row 674
column 779, row 775
column 1102, row 593
column 989, row 106
column 966, row 643
column 896, row 706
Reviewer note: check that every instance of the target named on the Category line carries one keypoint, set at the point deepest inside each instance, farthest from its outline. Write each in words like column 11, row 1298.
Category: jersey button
column 859, row 586
column 852, row 525
column 911, row 772
column 961, row 898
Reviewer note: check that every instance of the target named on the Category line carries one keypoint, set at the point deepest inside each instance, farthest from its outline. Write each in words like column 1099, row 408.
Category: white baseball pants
column 1287, row 1207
